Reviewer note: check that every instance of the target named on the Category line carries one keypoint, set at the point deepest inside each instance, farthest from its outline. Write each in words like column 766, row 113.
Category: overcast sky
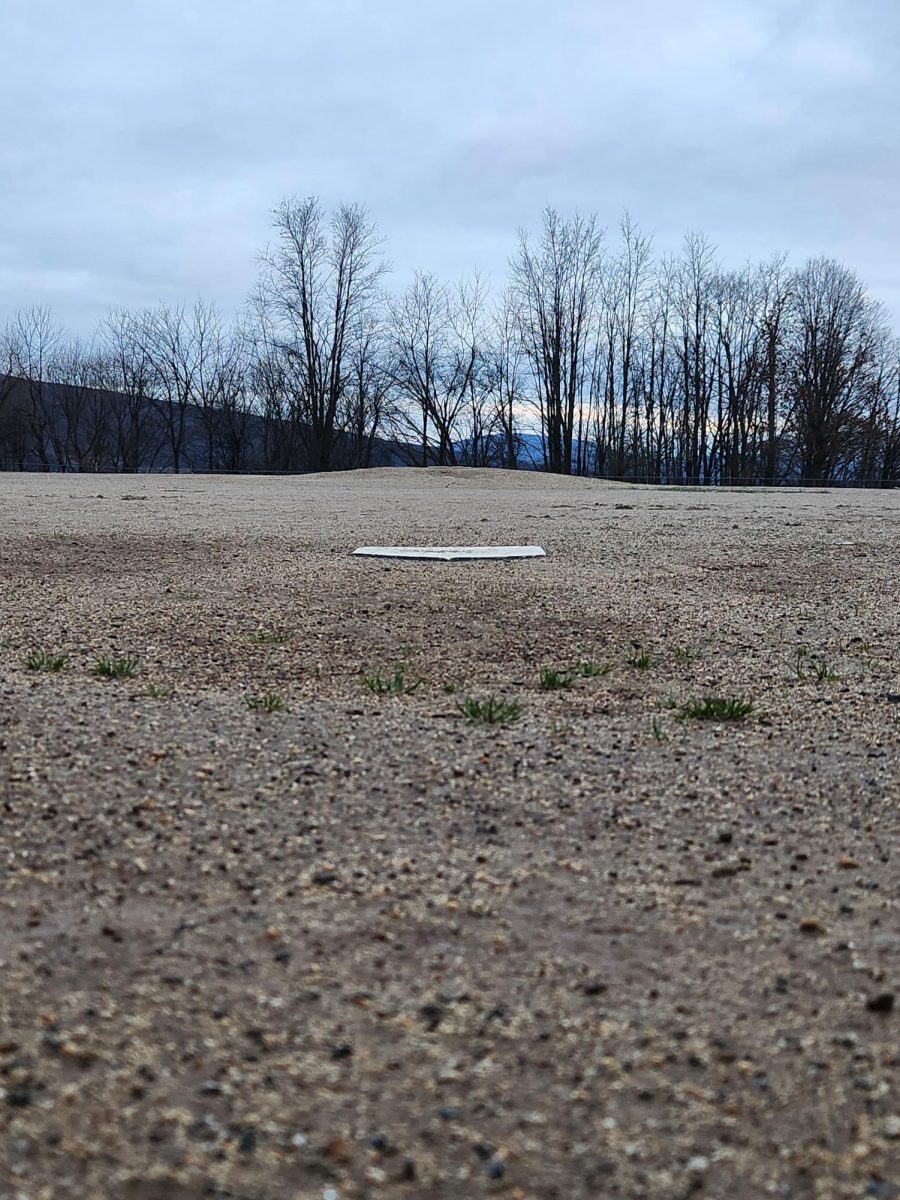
column 145, row 143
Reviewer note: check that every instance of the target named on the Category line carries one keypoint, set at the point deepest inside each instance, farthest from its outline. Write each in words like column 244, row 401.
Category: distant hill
column 66, row 427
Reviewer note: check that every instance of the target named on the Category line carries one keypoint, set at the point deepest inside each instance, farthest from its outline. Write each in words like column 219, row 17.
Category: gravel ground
column 362, row 948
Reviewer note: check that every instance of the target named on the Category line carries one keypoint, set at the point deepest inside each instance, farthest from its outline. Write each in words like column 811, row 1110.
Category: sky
column 145, row 143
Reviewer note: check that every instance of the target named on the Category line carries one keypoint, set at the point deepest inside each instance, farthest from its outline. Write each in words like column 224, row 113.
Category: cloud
column 146, row 144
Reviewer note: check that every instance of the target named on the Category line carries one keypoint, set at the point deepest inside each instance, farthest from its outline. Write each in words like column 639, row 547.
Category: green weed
column 552, row 679
column 717, row 708
column 591, row 670
column 390, row 685
column 807, row 667
column 641, row 660
column 44, row 660
column 117, row 668
column 491, row 710
column 268, row 702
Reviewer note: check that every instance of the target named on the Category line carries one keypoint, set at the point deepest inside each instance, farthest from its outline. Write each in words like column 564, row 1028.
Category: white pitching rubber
column 449, row 553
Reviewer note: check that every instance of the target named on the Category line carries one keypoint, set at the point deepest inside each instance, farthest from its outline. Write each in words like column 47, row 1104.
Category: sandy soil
column 362, row 948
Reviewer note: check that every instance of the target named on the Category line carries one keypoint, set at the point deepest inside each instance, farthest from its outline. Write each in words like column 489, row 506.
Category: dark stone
column 247, row 1144
column 496, row 1170
column 882, row 1003
column 594, row 988
column 20, row 1098
column 432, row 1013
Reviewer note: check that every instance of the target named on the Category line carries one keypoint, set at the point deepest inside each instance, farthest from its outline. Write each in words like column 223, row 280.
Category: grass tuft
column 641, row 660
column 551, row 678
column 807, row 667
column 268, row 702
column 591, row 670
column 717, row 708
column 390, row 685
column 117, row 668
column 270, row 637
column 45, row 660
column 490, row 710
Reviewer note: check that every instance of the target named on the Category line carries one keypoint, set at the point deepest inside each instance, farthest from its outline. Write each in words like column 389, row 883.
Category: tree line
column 596, row 358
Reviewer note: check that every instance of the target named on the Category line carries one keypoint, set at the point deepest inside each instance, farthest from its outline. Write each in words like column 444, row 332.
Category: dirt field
column 361, row 947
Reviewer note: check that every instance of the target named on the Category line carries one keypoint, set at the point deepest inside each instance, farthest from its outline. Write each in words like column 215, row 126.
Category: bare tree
column 128, row 376
column 658, row 378
column 84, row 411
column 318, row 284
column 34, row 342
column 470, row 374
column 775, row 289
column 615, row 387
column 167, row 341
column 557, row 288
column 738, row 430
column 219, row 389
column 890, row 465
column 274, row 395
column 368, row 392
column 695, row 350
column 420, row 331
column 506, row 369
column 13, row 433
column 833, row 366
